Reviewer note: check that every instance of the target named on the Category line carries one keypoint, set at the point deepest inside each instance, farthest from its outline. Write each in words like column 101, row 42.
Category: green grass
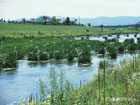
column 10, row 30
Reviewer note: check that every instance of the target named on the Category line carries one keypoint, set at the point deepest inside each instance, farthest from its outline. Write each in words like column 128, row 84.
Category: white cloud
column 84, row 8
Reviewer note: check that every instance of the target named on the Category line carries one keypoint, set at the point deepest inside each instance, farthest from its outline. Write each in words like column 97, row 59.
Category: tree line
column 46, row 21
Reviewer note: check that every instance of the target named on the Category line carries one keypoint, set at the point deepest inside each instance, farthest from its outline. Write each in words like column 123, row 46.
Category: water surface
column 24, row 80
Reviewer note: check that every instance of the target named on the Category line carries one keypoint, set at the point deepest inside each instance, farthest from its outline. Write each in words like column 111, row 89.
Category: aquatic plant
column 127, row 41
column 112, row 40
column 101, row 50
column 112, row 52
column 85, row 56
column 138, row 39
column 70, row 56
column 132, row 47
column 135, row 35
column 121, row 48
column 9, row 61
column 45, row 49
column 118, row 36
column 105, row 37
column 43, row 56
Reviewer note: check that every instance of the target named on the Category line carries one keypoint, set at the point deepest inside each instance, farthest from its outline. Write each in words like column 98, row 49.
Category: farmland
column 10, row 30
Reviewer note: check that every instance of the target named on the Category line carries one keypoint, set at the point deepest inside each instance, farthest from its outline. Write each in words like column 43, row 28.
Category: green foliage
column 112, row 51
column 45, row 49
column 10, row 30
column 121, row 48
column 85, row 56
column 42, row 90
column 67, row 21
column 101, row 50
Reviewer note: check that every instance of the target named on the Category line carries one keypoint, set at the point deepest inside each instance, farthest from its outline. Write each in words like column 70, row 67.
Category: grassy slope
column 29, row 30
column 49, row 30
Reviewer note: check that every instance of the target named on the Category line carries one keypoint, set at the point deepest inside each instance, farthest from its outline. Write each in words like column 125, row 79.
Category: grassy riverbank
column 112, row 86
column 10, row 30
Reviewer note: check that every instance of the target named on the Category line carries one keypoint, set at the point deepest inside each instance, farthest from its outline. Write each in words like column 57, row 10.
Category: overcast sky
column 14, row 9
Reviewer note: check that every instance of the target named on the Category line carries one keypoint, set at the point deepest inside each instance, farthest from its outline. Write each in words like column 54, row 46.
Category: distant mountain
column 120, row 20
column 40, row 18
column 106, row 21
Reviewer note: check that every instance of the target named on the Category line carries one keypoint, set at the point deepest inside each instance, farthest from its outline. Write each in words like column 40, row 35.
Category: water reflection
column 120, row 38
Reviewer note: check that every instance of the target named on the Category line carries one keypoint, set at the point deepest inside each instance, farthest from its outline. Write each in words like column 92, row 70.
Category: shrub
column 135, row 35
column 85, row 57
column 132, row 47
column 33, row 57
column 121, row 48
column 101, row 50
column 105, row 37
column 112, row 52
column 58, row 55
column 82, row 38
column 10, row 61
column 87, row 30
column 70, row 56
column 127, row 41
column 43, row 56
column 118, row 36
column 138, row 40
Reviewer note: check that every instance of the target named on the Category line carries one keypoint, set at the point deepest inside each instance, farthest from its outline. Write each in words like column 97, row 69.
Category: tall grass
column 45, row 49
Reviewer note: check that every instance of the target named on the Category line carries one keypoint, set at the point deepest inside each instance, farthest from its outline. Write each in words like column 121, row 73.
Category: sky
column 15, row 9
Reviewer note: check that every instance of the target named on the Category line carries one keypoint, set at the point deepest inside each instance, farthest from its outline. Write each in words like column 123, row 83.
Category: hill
column 120, row 20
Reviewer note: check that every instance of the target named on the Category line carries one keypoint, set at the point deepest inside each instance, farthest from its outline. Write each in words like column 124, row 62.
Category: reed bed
column 46, row 49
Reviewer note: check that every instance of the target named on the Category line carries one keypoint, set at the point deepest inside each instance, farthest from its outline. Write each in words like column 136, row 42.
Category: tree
column 1, row 19
column 67, row 21
column 75, row 21
column 23, row 20
column 33, row 20
column 54, row 20
column 9, row 21
column 89, row 24
column 101, row 26
column 45, row 18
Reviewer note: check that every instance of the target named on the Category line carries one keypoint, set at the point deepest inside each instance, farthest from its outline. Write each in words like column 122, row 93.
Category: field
column 10, row 30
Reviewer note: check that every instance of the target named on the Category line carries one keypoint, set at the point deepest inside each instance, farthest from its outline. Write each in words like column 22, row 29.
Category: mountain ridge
column 106, row 21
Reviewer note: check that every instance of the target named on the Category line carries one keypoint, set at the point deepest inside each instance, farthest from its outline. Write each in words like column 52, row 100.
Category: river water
column 121, row 38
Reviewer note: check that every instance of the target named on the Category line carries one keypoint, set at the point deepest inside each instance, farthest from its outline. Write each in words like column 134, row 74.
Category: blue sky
column 14, row 9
